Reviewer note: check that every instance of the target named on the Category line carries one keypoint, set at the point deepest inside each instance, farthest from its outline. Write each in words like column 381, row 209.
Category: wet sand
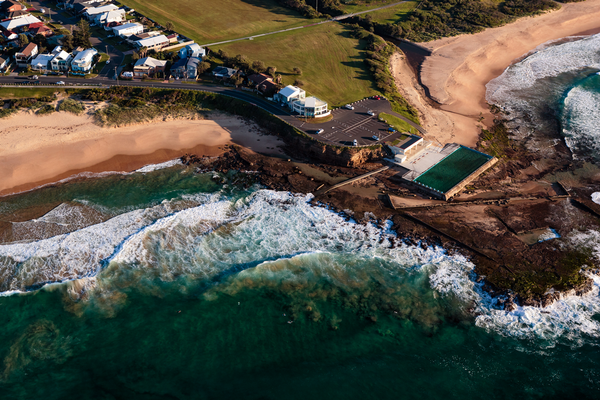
column 456, row 73
column 35, row 150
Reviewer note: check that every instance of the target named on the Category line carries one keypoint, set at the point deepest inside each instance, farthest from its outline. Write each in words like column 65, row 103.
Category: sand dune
column 38, row 149
column 459, row 68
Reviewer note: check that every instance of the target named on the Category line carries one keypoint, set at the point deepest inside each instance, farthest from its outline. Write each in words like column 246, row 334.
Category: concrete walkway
column 356, row 178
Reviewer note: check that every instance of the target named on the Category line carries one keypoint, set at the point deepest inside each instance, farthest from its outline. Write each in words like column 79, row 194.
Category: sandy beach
column 35, row 150
column 456, row 73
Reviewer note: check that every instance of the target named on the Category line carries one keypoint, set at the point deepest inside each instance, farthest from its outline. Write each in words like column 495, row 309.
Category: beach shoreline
column 455, row 75
column 39, row 150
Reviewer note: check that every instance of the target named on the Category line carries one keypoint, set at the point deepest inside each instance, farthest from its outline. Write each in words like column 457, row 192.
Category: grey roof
column 194, row 61
column 182, row 62
column 410, row 141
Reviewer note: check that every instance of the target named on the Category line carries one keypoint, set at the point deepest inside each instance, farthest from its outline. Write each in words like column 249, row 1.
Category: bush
column 47, row 109
column 298, row 83
column 72, row 106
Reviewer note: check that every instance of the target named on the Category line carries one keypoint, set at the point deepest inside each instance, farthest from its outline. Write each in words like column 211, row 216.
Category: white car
column 60, row 83
column 375, row 137
column 355, row 142
column 371, row 113
column 348, row 107
column 320, row 131
column 108, row 61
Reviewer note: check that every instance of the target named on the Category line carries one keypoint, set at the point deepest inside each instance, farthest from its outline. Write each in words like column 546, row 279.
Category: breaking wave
column 276, row 238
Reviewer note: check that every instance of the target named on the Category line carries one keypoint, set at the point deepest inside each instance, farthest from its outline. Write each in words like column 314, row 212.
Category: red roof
column 35, row 25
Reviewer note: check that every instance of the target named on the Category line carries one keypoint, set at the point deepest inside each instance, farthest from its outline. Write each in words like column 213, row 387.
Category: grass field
column 453, row 169
column 397, row 123
column 393, row 14
column 210, row 21
column 16, row 93
column 352, row 6
column 330, row 59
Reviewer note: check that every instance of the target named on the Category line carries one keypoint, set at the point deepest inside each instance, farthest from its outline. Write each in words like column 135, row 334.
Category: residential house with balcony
column 148, row 66
column 153, row 43
column 26, row 54
column 83, row 61
column 61, row 61
column 132, row 28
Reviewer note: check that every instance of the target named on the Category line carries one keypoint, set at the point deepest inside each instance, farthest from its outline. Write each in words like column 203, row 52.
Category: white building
column 192, row 50
column 61, row 61
column 83, row 61
column 153, row 43
column 90, row 12
column 132, row 28
column 41, row 62
column 311, row 107
column 19, row 22
column 408, row 148
column 110, row 16
column 289, row 94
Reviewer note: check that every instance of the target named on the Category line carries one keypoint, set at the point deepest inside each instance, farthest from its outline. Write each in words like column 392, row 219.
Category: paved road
column 70, row 23
column 345, row 126
column 334, row 19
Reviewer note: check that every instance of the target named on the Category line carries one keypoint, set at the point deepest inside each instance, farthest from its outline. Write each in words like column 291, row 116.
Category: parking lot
column 349, row 125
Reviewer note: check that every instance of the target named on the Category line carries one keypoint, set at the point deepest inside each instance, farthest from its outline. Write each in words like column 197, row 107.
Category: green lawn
column 393, row 14
column 453, row 169
column 15, row 93
column 397, row 123
column 209, row 21
column 352, row 6
column 330, row 59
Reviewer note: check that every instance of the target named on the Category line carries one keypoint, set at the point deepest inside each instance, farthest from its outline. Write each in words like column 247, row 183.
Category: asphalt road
column 345, row 127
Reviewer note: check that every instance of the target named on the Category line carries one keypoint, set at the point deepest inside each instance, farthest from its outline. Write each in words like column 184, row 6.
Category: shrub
column 72, row 106
column 46, row 109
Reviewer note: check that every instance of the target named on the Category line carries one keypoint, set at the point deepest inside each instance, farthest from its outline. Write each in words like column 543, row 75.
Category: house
column 179, row 69
column 61, row 61
column 91, row 12
column 71, row 4
column 16, row 14
column 289, row 94
column 192, row 50
column 311, row 107
column 9, row 6
column 3, row 64
column 25, row 55
column 153, row 43
column 109, row 17
column 263, row 83
column 224, row 72
column 134, row 38
column 19, row 22
column 10, row 35
column 41, row 62
column 83, row 61
column 39, row 29
column 132, row 28
column 172, row 38
column 192, row 67
column 148, row 66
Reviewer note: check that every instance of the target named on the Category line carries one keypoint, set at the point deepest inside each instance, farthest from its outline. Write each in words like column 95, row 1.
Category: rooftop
column 150, row 62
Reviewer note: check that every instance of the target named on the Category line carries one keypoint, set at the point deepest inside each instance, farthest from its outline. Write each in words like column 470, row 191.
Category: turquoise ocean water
column 185, row 285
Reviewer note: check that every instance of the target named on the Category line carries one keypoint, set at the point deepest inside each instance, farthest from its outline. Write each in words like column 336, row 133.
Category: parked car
column 108, row 61
column 390, row 129
column 320, row 131
column 355, row 142
column 371, row 113
column 60, row 83
column 34, row 78
column 375, row 137
column 348, row 107
column 376, row 97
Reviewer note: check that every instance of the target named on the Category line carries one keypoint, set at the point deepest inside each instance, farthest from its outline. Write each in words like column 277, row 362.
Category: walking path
column 356, row 178
column 334, row 19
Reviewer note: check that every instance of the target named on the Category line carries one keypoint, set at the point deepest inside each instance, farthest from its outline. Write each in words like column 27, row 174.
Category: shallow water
column 193, row 286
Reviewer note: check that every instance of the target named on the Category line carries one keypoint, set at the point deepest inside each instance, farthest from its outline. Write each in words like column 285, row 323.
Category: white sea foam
column 224, row 237
column 581, row 118
column 548, row 62
column 596, row 197
column 156, row 167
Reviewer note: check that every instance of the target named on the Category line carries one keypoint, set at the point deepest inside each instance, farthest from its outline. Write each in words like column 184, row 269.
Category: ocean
column 174, row 283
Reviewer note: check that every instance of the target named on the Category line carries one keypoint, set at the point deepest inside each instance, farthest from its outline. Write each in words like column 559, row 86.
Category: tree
column 203, row 67
column 40, row 40
column 278, row 79
column 271, row 71
column 258, row 66
column 143, row 52
column 298, row 83
column 169, row 26
column 297, row 71
column 23, row 39
column 81, row 35
column 237, row 80
column 67, row 42
column 135, row 56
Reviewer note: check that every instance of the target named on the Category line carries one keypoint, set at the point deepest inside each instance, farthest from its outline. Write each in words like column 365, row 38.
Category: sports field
column 210, row 21
column 330, row 59
column 453, row 169
column 393, row 14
